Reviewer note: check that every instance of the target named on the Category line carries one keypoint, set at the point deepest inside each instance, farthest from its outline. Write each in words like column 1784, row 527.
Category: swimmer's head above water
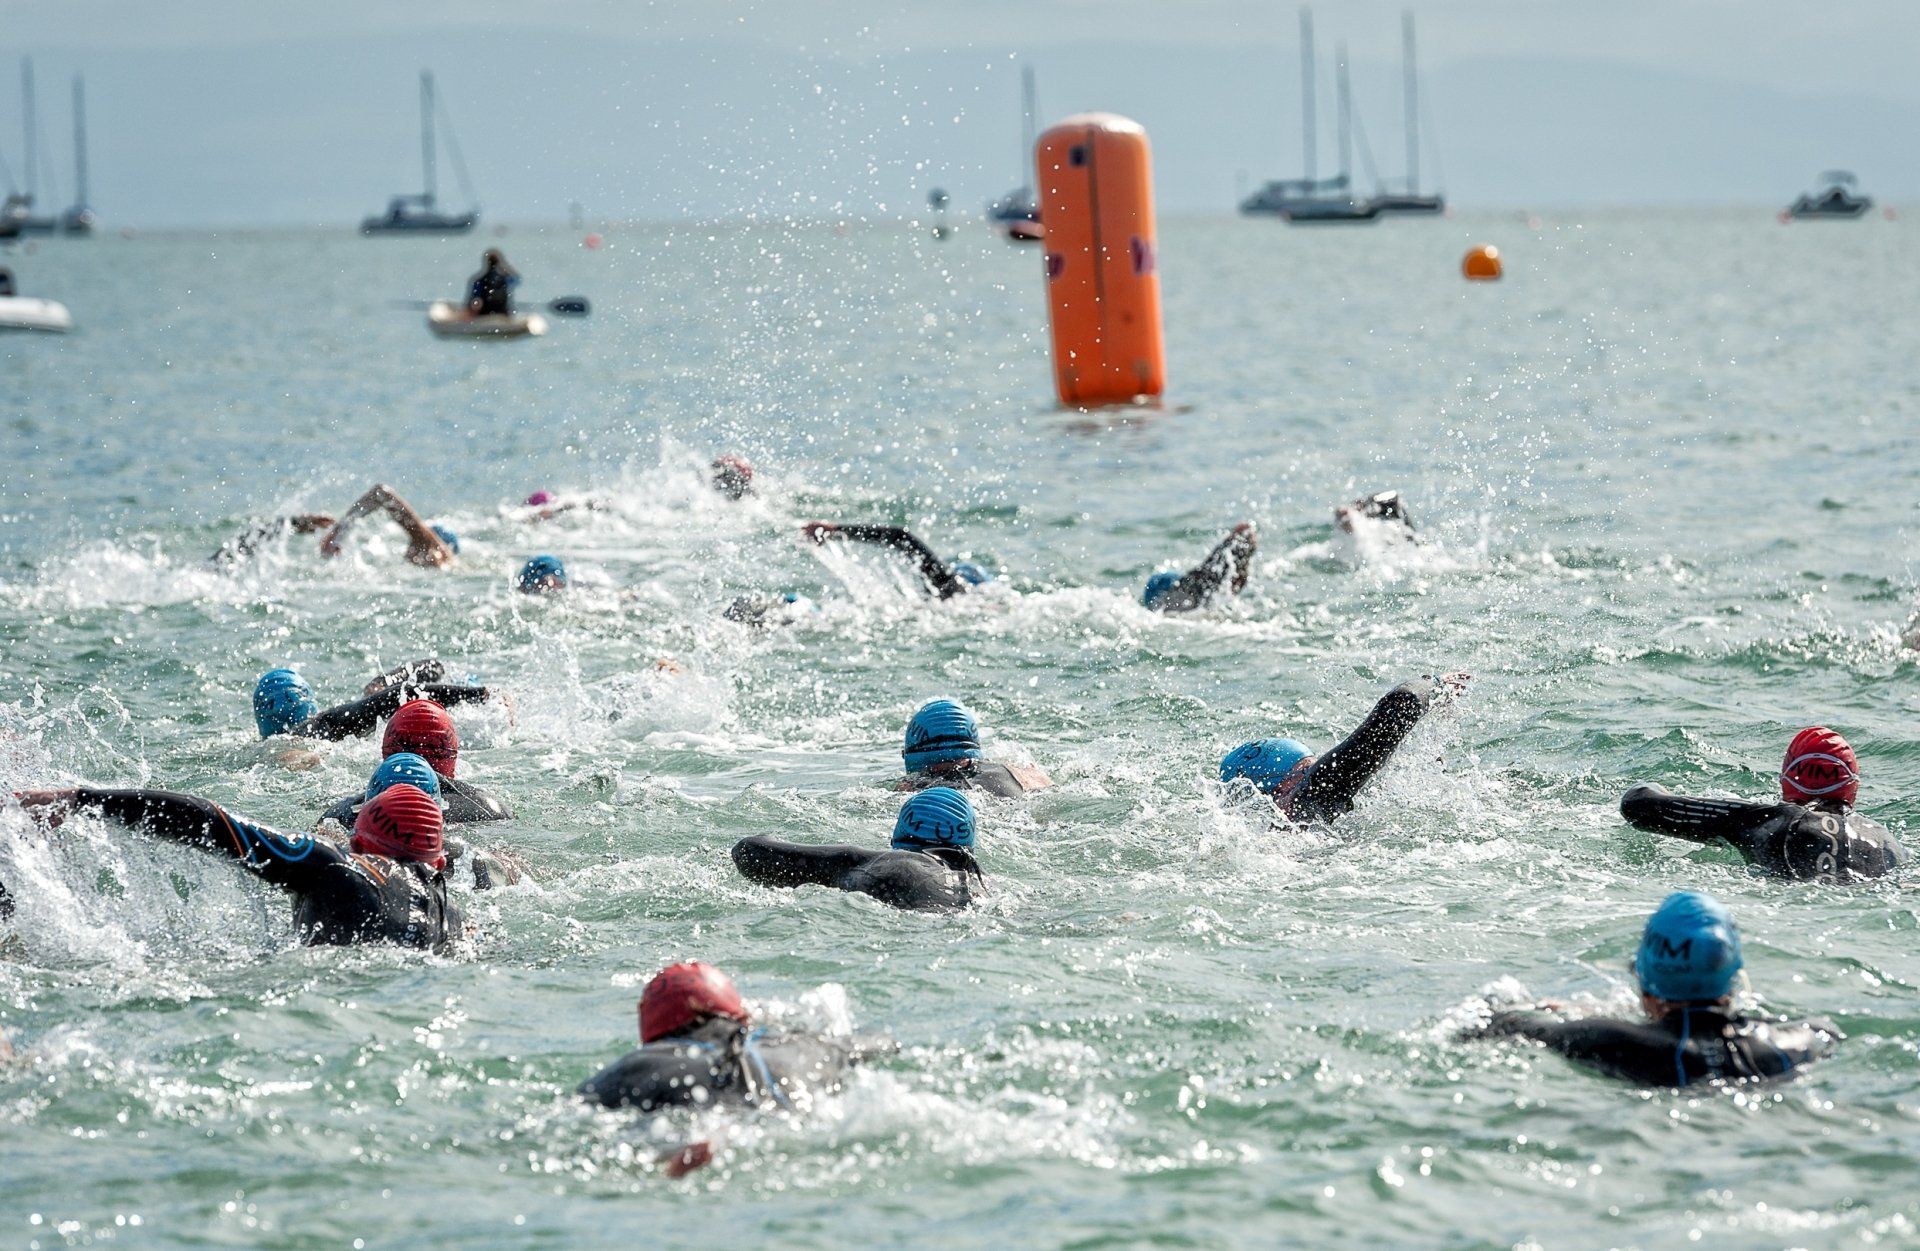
column 1274, row 766
column 281, row 700
column 732, row 476
column 940, row 731
column 539, row 499
column 447, row 536
column 423, row 728
column 1385, row 506
column 402, row 823
column 404, row 767
column 683, row 996
column 970, row 573
column 936, row 817
column 1689, row 953
column 1819, row 768
column 541, row 575
column 1158, row 587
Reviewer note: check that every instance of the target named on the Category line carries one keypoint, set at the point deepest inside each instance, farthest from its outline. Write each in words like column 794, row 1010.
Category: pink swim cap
column 538, row 498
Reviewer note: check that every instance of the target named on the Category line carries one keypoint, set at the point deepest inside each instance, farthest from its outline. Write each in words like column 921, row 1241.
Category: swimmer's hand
column 49, row 807
column 819, row 531
column 688, row 1159
column 1454, row 684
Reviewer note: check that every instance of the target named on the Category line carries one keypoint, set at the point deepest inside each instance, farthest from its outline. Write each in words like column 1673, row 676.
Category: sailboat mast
column 1307, row 126
column 1026, row 121
column 27, row 120
column 426, row 130
column 1412, row 93
column 1346, row 112
column 80, row 141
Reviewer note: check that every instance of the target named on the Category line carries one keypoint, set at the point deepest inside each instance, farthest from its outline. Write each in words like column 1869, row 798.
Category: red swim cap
column 1819, row 765
column 424, row 728
column 401, row 823
column 681, row 996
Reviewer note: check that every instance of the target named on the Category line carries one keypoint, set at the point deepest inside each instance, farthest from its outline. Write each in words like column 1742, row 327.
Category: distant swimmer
column 942, row 748
column 1687, row 966
column 1310, row 788
column 930, row 868
column 489, row 868
column 699, row 1048
column 1383, row 508
column 732, row 476
column 242, row 546
column 490, row 292
column 761, row 611
column 387, row 886
column 542, row 575
column 1814, row 836
column 941, row 578
column 1227, row 565
column 422, row 729
column 283, row 703
column 429, row 546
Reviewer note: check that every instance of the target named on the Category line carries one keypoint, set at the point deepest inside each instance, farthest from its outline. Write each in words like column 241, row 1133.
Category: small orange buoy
column 1103, row 282
column 1482, row 263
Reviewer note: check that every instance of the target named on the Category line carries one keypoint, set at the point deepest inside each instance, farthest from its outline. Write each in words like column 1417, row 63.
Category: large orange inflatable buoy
column 1103, row 282
column 1482, row 263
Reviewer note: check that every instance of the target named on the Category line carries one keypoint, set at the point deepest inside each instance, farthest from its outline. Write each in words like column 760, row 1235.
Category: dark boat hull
column 421, row 224
column 1411, row 205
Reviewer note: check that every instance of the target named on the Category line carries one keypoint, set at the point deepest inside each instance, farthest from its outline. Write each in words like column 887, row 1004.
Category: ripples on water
column 1667, row 474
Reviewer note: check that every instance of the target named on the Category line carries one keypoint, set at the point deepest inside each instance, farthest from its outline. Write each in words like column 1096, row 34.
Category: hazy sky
column 237, row 111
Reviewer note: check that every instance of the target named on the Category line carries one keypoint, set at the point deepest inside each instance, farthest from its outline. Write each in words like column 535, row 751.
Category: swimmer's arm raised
column 1231, row 559
column 1659, row 811
column 931, row 567
column 426, row 669
column 284, row 860
column 424, row 547
column 1338, row 775
column 360, row 717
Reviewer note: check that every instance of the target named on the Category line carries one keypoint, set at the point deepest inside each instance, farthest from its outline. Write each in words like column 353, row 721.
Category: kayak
column 19, row 312
column 450, row 320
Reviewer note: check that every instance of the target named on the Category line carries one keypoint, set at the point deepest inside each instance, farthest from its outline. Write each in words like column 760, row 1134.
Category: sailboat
column 79, row 220
column 1411, row 202
column 17, row 210
column 1311, row 199
column 1017, row 213
column 1339, row 208
column 418, row 214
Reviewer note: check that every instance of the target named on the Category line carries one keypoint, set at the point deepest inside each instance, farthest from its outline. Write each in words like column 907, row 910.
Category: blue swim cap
column 1158, row 587
column 937, row 817
column 1689, row 951
column 448, row 537
column 404, row 766
column 941, row 730
column 970, row 573
column 542, row 573
column 281, row 700
column 1265, row 762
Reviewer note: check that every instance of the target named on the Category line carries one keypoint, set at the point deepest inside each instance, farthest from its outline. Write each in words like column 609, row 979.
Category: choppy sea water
column 1667, row 474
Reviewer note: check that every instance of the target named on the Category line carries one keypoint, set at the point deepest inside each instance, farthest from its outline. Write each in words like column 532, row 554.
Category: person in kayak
column 386, row 886
column 490, row 867
column 490, row 292
column 1813, row 836
column 1309, row 788
column 942, row 579
column 1687, row 966
column 929, row 869
column 422, row 730
column 429, row 546
column 283, row 702
column 542, row 575
column 699, row 1048
column 942, row 748
column 1227, row 565
column 242, row 546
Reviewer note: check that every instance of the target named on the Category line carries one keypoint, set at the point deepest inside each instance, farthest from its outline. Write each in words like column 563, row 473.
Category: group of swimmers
column 376, row 868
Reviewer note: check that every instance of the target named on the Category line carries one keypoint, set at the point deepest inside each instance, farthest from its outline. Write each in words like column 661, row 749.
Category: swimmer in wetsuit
column 490, row 868
column 1814, row 836
column 1228, row 564
column 698, row 1047
column 1309, row 788
column 942, row 579
column 541, row 575
column 423, row 728
column 283, row 702
column 761, row 611
column 1385, row 507
column 1686, row 966
column 942, row 748
column 429, row 546
column 387, row 886
column 930, row 868
column 490, row 292
column 732, row 476
column 244, row 545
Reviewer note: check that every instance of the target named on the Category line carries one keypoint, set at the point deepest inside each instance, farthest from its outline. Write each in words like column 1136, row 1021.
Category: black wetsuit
column 939, row 879
column 1229, row 561
column 462, row 802
column 940, row 579
column 1336, row 776
column 358, row 718
column 493, row 290
column 242, row 546
column 1685, row 1046
column 1812, row 842
column 722, row 1061
column 977, row 775
column 338, row 897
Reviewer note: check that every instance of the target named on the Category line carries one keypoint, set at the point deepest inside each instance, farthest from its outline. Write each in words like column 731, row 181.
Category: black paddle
column 563, row 305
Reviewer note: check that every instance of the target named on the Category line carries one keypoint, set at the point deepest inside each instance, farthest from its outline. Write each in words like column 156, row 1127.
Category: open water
column 1669, row 479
